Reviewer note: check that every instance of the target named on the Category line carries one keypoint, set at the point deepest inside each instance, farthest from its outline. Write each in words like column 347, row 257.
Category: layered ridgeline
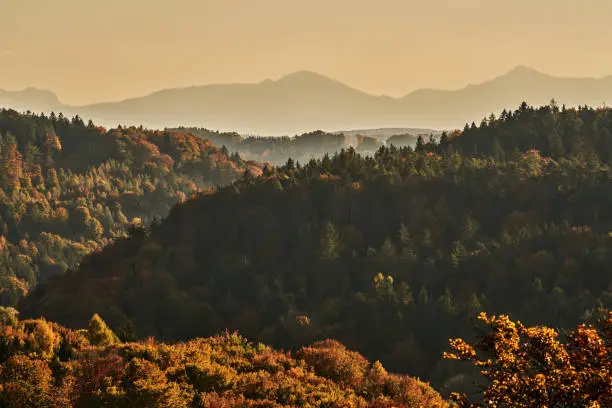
column 391, row 254
column 303, row 101
column 312, row 145
column 43, row 364
column 68, row 188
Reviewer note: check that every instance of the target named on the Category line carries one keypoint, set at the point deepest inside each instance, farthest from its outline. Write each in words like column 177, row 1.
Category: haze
column 91, row 51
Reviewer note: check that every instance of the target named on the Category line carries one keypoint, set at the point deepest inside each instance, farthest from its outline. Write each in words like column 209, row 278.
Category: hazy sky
column 98, row 50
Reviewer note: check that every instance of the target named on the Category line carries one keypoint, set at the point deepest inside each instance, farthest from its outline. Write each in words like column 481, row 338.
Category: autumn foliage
column 535, row 367
column 45, row 365
column 68, row 189
column 391, row 254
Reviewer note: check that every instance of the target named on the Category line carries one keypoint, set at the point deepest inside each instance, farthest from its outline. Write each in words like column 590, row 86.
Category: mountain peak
column 30, row 97
column 522, row 71
column 304, row 77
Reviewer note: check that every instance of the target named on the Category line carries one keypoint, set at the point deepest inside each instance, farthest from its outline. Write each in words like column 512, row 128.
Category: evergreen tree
column 98, row 333
column 330, row 244
column 388, row 250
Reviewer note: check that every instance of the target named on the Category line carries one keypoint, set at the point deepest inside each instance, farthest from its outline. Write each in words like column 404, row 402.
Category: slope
column 67, row 189
column 391, row 254
column 45, row 365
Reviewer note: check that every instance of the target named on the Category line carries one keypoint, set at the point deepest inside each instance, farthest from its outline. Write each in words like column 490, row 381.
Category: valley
column 391, row 254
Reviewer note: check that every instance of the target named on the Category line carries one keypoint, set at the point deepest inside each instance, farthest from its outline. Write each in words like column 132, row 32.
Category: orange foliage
column 531, row 367
column 221, row 371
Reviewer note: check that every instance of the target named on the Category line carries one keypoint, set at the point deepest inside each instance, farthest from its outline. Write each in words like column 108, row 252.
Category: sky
column 89, row 51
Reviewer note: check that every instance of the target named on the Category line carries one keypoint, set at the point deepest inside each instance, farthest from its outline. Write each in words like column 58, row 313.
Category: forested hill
column 391, row 254
column 46, row 365
column 304, row 147
column 584, row 134
column 68, row 188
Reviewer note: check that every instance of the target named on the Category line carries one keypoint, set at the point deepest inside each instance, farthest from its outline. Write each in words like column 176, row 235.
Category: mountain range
column 304, row 101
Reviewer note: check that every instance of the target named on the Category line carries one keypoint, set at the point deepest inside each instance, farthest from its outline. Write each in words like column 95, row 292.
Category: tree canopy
column 67, row 189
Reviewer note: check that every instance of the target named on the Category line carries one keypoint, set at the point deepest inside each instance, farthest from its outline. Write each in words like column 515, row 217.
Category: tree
column 11, row 169
column 446, row 302
column 407, row 245
column 290, row 164
column 420, row 144
column 330, row 244
column 94, row 228
column 444, row 143
column 26, row 382
column 459, row 254
column 388, row 250
column 99, row 334
column 531, row 367
column 52, row 179
column 496, row 151
column 383, row 285
column 423, row 296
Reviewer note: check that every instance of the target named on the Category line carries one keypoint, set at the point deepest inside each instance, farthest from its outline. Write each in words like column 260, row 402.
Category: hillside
column 68, row 188
column 390, row 254
column 45, row 365
column 311, row 145
column 304, row 101
column 301, row 148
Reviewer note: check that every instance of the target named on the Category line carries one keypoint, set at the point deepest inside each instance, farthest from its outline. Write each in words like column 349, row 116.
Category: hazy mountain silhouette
column 32, row 99
column 454, row 108
column 304, row 101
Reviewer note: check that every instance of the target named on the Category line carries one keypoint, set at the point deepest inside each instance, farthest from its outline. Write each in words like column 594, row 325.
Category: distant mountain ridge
column 304, row 101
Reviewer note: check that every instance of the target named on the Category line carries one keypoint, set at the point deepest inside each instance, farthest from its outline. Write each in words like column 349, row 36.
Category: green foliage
column 330, row 242
column 98, row 332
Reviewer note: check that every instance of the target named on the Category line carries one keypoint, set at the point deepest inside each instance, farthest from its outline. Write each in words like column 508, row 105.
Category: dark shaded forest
column 68, row 188
column 391, row 254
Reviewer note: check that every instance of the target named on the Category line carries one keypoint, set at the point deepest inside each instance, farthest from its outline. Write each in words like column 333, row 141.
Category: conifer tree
column 98, row 333
column 331, row 245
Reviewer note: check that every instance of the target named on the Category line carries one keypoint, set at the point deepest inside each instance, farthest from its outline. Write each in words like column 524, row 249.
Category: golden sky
column 99, row 50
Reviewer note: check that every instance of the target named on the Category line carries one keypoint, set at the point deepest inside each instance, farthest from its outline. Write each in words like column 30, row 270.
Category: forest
column 68, row 188
column 301, row 148
column 403, row 256
column 47, row 365
column 391, row 254
column 43, row 364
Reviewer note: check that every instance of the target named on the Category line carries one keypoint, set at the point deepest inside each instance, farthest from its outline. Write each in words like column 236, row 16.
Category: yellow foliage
column 530, row 367
column 221, row 371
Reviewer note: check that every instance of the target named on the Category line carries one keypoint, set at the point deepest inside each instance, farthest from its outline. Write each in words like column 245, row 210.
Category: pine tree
column 404, row 236
column 99, row 334
column 423, row 296
column 420, row 145
column 388, row 250
column 11, row 167
column 331, row 245
column 290, row 164
column 446, row 302
column 459, row 253
column 444, row 143
column 496, row 151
